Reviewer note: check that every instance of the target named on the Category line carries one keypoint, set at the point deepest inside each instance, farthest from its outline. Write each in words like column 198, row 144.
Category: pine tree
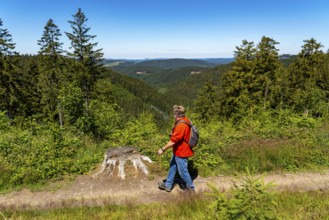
column 84, row 51
column 51, row 70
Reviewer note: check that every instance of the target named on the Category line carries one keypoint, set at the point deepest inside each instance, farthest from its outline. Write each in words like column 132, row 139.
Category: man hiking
column 181, row 151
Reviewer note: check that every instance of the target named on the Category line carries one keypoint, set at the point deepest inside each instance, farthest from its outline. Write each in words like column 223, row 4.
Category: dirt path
column 105, row 189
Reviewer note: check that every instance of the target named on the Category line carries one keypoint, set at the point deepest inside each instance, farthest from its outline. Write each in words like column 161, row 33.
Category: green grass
column 310, row 205
column 290, row 205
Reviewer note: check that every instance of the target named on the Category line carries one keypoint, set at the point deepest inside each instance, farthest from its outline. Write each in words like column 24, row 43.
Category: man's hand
column 160, row 151
column 168, row 145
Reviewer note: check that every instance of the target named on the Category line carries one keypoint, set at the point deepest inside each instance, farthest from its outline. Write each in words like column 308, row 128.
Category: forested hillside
column 60, row 110
column 134, row 96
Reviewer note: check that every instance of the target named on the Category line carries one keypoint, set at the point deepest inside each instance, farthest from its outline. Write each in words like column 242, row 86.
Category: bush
column 249, row 199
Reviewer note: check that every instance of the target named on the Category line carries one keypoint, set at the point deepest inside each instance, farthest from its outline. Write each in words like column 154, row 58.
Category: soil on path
column 139, row 189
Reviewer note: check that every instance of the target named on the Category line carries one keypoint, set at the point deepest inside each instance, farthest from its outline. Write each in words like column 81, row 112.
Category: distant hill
column 179, row 79
column 287, row 59
column 160, row 83
column 185, row 90
column 219, row 61
column 176, row 63
column 168, row 77
column 143, row 68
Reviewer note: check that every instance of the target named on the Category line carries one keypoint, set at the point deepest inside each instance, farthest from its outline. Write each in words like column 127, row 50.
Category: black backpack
column 194, row 136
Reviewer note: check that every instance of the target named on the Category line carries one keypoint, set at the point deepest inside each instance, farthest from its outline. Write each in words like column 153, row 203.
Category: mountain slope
column 135, row 96
column 140, row 69
column 176, row 63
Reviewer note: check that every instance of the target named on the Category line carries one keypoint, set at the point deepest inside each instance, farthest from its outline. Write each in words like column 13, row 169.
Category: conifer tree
column 308, row 79
column 84, row 51
column 9, row 70
column 51, row 70
column 205, row 103
column 32, row 94
column 266, row 72
column 253, row 81
column 236, row 83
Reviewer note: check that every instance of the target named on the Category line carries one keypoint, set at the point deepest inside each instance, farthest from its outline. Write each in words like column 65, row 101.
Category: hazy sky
column 171, row 28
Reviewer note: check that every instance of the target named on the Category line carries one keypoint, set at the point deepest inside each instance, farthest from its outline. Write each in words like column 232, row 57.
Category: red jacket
column 181, row 132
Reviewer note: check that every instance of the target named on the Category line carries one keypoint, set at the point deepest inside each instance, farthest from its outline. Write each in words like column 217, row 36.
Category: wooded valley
column 60, row 110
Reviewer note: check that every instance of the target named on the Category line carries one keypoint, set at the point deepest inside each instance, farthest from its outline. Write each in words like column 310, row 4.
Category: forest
column 60, row 110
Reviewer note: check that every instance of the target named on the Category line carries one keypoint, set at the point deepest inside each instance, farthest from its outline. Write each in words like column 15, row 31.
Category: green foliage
column 4, row 122
column 81, row 42
column 145, row 93
column 264, row 141
column 10, row 76
column 49, row 42
column 106, row 120
column 250, row 198
column 208, row 154
column 59, row 114
column 50, row 78
column 71, row 99
column 253, row 80
column 308, row 80
column 40, row 153
column 205, row 103
column 236, row 83
column 6, row 42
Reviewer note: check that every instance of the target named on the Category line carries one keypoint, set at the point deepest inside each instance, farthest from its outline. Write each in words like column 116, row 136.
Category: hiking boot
column 162, row 186
column 188, row 190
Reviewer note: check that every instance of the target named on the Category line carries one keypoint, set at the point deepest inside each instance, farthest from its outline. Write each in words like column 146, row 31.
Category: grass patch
column 290, row 206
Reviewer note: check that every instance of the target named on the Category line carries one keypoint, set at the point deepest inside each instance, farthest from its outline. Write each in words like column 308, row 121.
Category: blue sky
column 137, row 29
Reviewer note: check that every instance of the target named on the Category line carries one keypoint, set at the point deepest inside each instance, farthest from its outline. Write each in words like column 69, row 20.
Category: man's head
column 179, row 111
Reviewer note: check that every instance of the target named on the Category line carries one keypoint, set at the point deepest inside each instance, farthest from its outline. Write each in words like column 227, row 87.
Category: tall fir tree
column 9, row 73
column 84, row 51
column 51, row 70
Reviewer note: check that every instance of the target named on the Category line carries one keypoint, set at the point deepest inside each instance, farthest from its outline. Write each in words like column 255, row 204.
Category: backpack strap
column 185, row 122
column 182, row 121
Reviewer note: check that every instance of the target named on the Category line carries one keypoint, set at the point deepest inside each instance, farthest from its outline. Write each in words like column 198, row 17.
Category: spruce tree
column 236, row 83
column 205, row 103
column 84, row 51
column 253, row 81
column 309, row 79
column 266, row 73
column 51, row 70
column 31, row 105
column 9, row 71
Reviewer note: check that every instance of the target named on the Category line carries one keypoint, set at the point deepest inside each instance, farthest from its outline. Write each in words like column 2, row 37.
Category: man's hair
column 179, row 110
